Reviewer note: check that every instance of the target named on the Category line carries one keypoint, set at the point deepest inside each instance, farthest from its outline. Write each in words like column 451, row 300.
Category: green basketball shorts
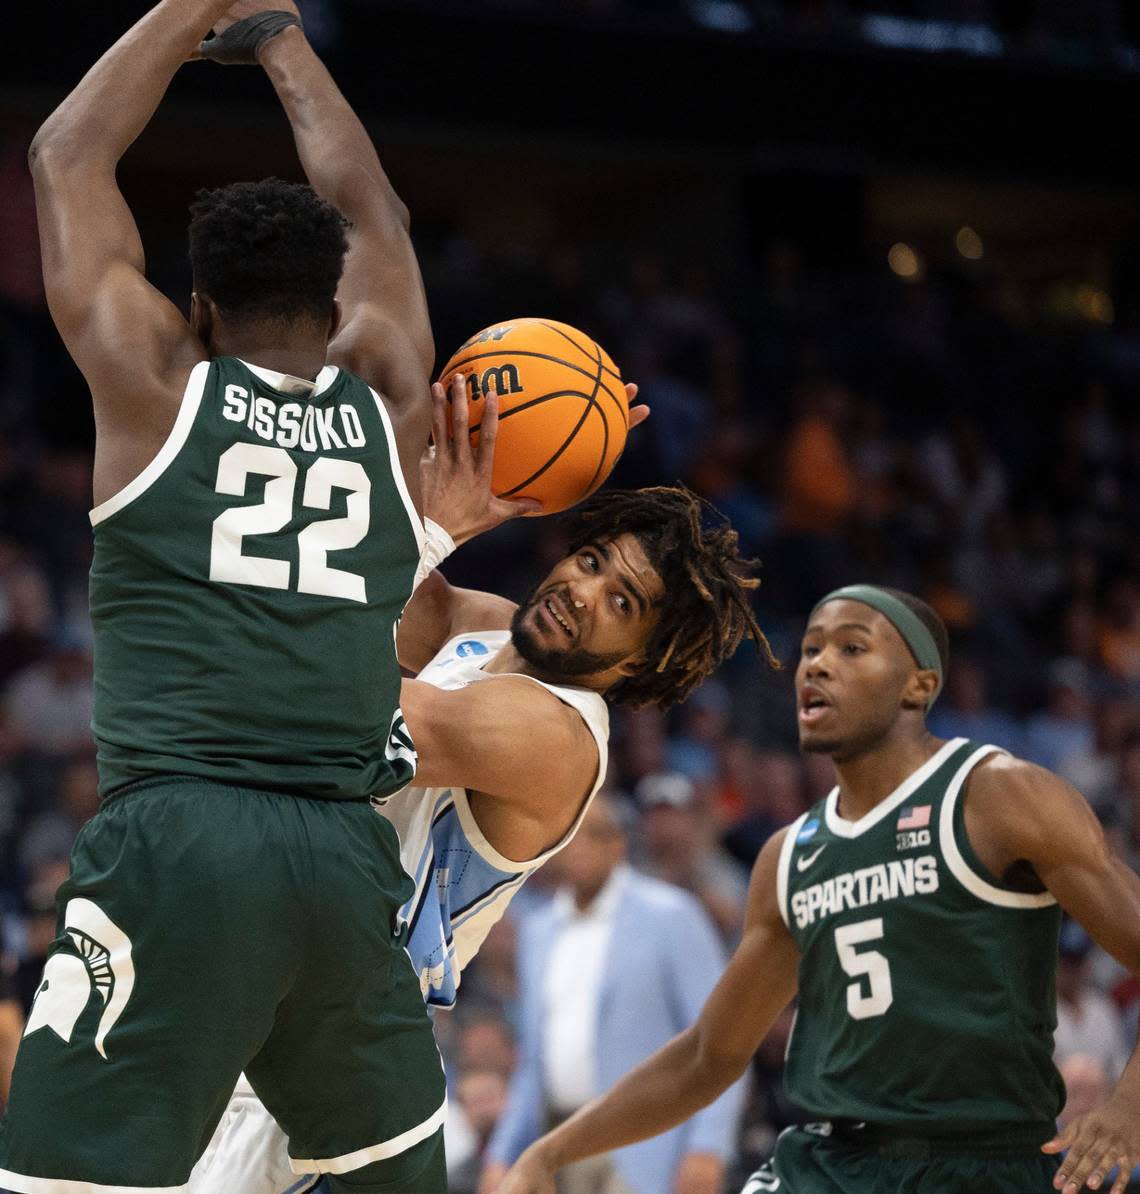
column 807, row 1161
column 204, row 931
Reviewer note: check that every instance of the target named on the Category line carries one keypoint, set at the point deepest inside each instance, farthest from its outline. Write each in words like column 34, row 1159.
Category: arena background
column 876, row 267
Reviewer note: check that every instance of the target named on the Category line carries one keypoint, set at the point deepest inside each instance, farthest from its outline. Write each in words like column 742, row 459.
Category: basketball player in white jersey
column 510, row 718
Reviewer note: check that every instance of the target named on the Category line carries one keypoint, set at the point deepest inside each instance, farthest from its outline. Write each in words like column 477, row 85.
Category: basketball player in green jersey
column 915, row 913
column 232, row 905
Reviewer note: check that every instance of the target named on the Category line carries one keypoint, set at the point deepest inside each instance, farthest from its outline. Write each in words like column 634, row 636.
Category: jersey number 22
column 229, row 564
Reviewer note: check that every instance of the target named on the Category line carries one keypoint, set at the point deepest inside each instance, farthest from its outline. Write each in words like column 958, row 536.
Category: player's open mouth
column 557, row 613
column 813, row 706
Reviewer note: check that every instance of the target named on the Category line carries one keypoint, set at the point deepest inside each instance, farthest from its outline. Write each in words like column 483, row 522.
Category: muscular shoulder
column 1004, row 787
column 1021, row 806
column 473, row 611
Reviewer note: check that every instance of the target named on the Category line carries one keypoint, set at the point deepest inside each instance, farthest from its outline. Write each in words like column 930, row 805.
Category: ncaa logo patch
column 808, row 831
column 471, row 647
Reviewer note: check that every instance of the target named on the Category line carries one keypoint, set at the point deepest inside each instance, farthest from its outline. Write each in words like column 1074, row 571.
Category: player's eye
column 809, row 651
column 623, row 603
column 590, row 560
column 853, row 648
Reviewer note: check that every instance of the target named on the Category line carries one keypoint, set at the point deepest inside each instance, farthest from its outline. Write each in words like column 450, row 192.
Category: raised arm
column 1017, row 812
column 385, row 333
column 130, row 342
column 696, row 1066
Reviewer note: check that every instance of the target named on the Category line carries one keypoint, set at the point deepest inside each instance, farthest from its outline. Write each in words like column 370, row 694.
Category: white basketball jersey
column 463, row 884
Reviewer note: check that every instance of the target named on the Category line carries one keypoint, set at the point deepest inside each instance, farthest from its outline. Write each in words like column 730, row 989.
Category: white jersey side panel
column 463, row 884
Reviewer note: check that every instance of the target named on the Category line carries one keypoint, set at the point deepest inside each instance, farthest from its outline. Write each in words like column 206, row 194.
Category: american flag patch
column 915, row 818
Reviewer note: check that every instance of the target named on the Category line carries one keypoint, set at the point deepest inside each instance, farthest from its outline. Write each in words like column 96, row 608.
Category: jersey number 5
column 227, row 561
column 868, row 965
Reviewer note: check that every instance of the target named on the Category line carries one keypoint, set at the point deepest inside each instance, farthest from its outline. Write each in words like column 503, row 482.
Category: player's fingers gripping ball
column 563, row 410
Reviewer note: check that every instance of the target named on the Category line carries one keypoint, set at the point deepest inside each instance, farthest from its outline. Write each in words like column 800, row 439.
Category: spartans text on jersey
column 868, row 885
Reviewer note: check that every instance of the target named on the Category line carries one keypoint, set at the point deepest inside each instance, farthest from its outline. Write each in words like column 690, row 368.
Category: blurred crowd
column 1094, row 33
column 942, row 433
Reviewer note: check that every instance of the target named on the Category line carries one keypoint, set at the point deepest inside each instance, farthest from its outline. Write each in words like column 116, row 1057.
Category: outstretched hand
column 454, row 477
column 1097, row 1142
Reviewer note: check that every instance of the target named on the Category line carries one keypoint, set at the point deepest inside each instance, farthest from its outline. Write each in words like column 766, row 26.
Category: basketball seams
column 591, row 405
column 623, row 407
column 514, row 410
column 605, row 428
column 585, row 352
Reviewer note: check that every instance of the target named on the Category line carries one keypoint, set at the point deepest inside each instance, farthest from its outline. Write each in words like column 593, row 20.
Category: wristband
column 239, row 44
column 438, row 545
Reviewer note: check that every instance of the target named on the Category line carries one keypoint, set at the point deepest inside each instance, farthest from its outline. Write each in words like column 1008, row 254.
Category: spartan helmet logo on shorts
column 102, row 960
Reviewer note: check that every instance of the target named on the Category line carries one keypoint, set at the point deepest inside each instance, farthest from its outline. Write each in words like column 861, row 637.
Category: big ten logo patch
column 96, row 956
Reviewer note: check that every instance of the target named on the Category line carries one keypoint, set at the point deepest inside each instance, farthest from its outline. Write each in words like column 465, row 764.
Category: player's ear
column 920, row 689
column 631, row 666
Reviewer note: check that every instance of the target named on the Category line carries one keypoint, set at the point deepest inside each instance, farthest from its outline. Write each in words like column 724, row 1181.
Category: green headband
column 915, row 634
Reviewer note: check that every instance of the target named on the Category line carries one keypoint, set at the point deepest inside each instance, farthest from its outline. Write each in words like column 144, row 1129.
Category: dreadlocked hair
column 707, row 611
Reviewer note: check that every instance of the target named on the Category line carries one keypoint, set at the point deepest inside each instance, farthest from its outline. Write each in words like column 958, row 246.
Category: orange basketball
column 563, row 413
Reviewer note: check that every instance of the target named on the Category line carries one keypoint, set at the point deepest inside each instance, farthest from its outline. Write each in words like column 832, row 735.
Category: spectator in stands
column 1096, row 772
column 11, row 1022
column 39, row 927
column 705, row 721
column 615, row 967
column 1119, row 636
column 964, row 710
column 681, row 848
column 25, row 618
column 819, row 491
column 1087, row 1021
column 1065, row 726
column 50, row 703
column 774, row 797
column 491, row 978
column 481, row 1096
column 964, row 474
column 53, row 832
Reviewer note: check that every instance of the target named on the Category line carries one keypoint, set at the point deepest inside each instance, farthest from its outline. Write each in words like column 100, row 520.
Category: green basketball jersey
column 927, row 994
column 245, row 592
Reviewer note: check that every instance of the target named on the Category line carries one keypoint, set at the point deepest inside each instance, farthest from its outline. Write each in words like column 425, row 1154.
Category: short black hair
column 927, row 616
column 707, row 611
column 267, row 250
